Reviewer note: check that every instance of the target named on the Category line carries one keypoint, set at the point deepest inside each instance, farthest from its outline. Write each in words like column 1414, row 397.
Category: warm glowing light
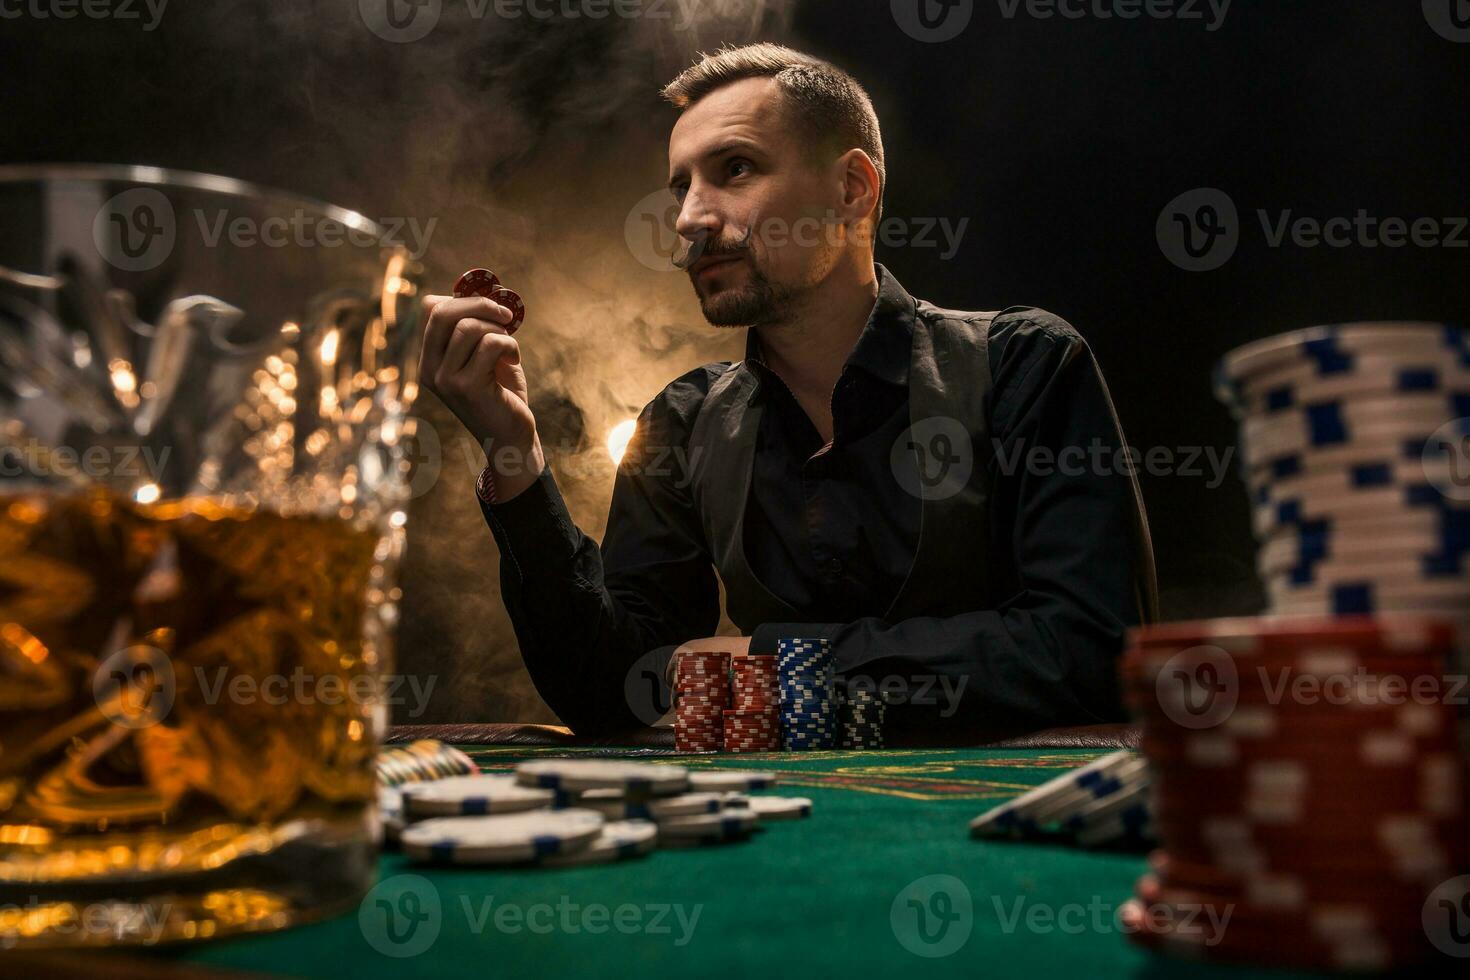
column 329, row 347
column 619, row 437
column 123, row 378
column 148, row 493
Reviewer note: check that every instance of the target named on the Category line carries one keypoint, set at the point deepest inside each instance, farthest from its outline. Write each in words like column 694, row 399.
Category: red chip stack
column 753, row 724
column 702, row 692
column 1308, row 783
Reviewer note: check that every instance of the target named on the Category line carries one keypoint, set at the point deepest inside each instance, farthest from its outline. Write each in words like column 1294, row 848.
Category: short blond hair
column 827, row 101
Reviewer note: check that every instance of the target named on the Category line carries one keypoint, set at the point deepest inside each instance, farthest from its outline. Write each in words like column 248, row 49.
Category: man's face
column 743, row 182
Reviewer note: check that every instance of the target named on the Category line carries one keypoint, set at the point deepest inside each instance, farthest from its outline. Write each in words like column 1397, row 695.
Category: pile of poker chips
column 701, row 695
column 1299, row 791
column 1102, row 804
column 420, row 760
column 753, row 720
column 860, row 716
column 1356, row 444
column 805, row 676
column 563, row 812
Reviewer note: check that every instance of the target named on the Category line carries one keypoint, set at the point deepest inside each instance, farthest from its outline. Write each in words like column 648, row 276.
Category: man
column 875, row 471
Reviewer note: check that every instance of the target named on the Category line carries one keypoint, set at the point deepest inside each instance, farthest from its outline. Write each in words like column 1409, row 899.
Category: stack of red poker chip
column 753, row 724
column 1309, row 788
column 702, row 693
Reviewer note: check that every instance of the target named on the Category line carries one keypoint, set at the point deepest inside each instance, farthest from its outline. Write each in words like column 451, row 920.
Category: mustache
column 705, row 244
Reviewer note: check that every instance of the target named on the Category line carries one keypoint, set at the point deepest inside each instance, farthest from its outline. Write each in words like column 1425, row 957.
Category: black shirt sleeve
column 1062, row 520
column 584, row 615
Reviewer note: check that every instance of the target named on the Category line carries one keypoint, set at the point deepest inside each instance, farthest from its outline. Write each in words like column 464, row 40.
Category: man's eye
column 737, row 167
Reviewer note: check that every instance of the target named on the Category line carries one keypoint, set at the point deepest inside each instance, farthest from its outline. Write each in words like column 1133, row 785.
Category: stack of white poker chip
column 1356, row 451
column 1102, row 804
column 561, row 812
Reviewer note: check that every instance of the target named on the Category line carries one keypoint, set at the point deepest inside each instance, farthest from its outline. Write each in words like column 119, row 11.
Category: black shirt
column 832, row 532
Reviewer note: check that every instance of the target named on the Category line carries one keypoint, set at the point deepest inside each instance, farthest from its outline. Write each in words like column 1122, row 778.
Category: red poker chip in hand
column 511, row 300
column 476, row 282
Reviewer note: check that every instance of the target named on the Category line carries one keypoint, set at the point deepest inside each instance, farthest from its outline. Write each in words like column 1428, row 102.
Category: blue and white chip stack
column 1356, row 446
column 808, row 709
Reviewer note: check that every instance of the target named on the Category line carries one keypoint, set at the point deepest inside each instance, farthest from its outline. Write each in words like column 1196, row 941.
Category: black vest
column 949, row 378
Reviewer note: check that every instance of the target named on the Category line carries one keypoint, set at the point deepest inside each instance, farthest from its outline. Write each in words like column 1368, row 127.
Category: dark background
column 1060, row 141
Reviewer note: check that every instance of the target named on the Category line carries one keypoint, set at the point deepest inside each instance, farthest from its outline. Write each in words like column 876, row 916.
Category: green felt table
column 823, row 897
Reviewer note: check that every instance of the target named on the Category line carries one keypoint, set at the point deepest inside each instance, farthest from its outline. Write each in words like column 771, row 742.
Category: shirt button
column 834, row 567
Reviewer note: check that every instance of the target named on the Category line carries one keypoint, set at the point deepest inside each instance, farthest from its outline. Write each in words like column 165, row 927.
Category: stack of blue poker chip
column 805, row 673
column 1356, row 451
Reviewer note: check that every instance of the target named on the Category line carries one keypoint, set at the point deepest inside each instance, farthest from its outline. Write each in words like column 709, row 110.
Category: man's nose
column 697, row 221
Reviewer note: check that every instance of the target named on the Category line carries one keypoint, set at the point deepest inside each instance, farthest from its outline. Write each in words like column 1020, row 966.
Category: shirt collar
column 883, row 348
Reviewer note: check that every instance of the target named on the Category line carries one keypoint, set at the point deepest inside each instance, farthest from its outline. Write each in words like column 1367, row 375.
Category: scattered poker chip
column 390, row 818
column 471, row 796
column 780, row 807
column 511, row 300
column 613, row 805
column 617, row 840
column 579, row 775
column 425, row 759
column 507, row 839
column 476, row 282
column 725, row 825
column 727, row 780
column 1048, row 809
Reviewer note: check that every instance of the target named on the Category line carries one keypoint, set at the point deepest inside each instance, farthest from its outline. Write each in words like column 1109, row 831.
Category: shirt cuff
column 534, row 528
column 764, row 637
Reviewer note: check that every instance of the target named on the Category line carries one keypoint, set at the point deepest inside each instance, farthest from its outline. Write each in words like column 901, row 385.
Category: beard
column 757, row 301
